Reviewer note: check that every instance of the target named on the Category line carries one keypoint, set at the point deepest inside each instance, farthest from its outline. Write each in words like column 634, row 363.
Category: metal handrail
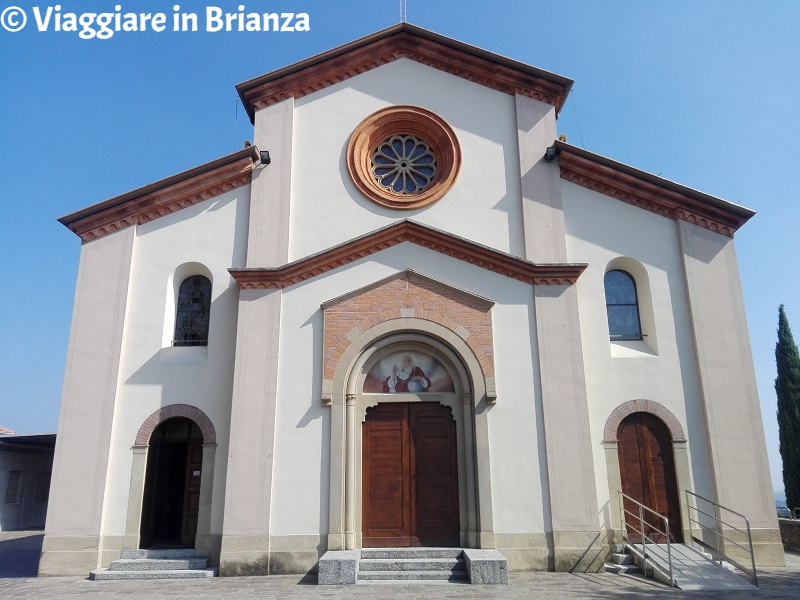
column 718, row 532
column 640, row 516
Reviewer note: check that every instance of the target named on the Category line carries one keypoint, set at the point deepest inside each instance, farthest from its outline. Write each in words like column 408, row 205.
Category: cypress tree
column 787, row 386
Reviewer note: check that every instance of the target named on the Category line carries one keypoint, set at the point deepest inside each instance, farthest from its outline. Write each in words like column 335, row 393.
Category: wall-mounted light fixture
column 265, row 159
column 551, row 153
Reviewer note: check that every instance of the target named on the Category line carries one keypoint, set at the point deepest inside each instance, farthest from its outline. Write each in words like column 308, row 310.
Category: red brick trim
column 648, row 406
column 176, row 410
column 431, row 301
column 340, row 64
column 163, row 197
column 677, row 203
column 408, row 231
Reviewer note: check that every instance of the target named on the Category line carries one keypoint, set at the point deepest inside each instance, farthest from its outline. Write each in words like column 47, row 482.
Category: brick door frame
column 611, row 449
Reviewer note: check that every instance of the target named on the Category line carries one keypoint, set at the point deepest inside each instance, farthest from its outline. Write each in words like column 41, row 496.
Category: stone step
column 109, row 575
column 161, row 553
column 407, row 553
column 622, row 559
column 413, row 564
column 621, row 569
column 412, row 576
column 159, row 564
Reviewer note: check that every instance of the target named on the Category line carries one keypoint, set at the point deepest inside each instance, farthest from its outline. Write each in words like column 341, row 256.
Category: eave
column 416, row 233
column 163, row 197
column 650, row 192
column 403, row 41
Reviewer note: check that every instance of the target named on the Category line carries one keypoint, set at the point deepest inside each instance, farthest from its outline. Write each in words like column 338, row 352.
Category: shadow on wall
column 19, row 553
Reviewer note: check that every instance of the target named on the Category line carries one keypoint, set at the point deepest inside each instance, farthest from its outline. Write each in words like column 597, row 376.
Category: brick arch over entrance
column 648, row 406
column 176, row 410
column 392, row 302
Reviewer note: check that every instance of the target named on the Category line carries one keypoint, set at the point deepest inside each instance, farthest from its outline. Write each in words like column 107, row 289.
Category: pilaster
column 727, row 381
column 87, row 407
column 268, row 236
column 248, row 501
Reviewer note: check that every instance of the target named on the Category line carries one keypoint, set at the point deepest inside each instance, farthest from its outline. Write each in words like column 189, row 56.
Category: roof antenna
column 402, row 11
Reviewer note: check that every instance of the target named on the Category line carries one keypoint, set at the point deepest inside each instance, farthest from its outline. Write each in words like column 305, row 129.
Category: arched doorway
column 171, row 499
column 470, row 401
column 647, row 471
column 410, row 476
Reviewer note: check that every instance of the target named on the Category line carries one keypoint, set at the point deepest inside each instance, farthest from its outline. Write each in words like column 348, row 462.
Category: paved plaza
column 19, row 556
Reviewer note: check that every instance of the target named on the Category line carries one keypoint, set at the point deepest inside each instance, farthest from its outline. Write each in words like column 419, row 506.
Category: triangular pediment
column 411, row 275
column 403, row 41
column 415, row 233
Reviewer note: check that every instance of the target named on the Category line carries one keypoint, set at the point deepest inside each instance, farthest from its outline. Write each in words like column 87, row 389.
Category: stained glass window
column 622, row 306
column 194, row 309
column 404, row 164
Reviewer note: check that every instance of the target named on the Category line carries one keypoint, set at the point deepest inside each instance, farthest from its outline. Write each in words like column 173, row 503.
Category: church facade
column 419, row 319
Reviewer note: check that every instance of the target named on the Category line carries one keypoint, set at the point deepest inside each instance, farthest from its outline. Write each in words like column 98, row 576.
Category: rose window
column 403, row 157
column 404, row 164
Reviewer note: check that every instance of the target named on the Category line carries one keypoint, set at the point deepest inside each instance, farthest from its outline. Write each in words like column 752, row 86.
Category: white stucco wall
column 207, row 238
column 326, row 208
column 300, row 485
column 663, row 368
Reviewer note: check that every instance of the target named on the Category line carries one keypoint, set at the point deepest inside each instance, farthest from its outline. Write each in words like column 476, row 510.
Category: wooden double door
column 647, row 469
column 409, row 476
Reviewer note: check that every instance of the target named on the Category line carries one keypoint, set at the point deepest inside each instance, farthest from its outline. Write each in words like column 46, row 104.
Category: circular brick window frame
column 404, row 121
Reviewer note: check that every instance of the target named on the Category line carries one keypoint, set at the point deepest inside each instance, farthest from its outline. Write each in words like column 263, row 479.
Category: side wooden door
column 647, row 469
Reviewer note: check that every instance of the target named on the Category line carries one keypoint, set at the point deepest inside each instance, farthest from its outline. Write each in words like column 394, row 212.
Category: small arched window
column 193, row 312
column 622, row 306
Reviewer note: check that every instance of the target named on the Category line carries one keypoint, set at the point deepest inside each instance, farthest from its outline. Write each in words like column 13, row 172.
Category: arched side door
column 172, row 486
column 647, row 470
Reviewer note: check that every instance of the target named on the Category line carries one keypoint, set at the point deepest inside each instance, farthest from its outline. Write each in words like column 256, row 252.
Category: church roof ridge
column 403, row 41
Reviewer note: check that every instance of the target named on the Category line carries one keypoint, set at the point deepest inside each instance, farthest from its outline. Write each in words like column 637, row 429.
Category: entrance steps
column 419, row 565
column 621, row 562
column 179, row 563
column 427, row 565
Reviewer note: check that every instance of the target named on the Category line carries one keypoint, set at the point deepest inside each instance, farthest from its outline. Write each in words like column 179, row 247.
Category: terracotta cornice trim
column 164, row 197
column 408, row 231
column 404, row 41
column 485, row 302
column 650, row 192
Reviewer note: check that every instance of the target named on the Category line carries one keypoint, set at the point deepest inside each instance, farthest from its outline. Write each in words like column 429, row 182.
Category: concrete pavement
column 19, row 555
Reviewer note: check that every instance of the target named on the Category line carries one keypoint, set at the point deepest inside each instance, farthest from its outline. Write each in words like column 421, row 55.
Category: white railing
column 712, row 514
column 645, row 529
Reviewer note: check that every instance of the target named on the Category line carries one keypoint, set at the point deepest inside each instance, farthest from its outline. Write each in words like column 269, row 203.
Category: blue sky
column 702, row 93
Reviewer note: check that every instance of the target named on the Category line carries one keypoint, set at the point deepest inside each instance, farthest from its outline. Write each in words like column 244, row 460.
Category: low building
column 26, row 462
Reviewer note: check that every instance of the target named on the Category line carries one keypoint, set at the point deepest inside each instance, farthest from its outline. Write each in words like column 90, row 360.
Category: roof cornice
column 650, row 192
column 416, row 233
column 403, row 41
column 164, row 197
